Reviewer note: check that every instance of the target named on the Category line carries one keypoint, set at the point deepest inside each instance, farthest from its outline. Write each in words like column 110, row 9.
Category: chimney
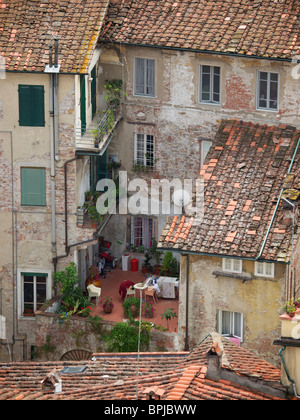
column 154, row 393
column 290, row 351
column 52, row 383
column 214, row 362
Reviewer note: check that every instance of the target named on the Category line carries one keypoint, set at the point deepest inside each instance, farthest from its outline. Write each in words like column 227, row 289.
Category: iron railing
column 96, row 135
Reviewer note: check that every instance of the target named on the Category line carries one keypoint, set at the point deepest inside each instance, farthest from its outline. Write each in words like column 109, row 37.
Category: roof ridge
column 184, row 382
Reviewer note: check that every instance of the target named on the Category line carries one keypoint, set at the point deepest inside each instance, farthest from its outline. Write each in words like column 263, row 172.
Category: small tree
column 68, row 283
column 168, row 315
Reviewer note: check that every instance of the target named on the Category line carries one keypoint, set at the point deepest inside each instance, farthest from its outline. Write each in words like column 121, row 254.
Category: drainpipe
column 55, row 101
column 52, row 167
column 67, row 248
column 186, row 344
column 287, row 373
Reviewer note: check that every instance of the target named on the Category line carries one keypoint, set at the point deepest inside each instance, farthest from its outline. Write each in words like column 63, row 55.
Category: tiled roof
column 262, row 28
column 244, row 173
column 175, row 375
column 27, row 27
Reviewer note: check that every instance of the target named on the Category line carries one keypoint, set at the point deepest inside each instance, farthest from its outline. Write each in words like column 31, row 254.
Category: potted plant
column 84, row 312
column 168, row 315
column 28, row 311
column 94, row 277
column 131, row 307
column 148, row 309
column 146, row 267
column 156, row 255
column 289, row 308
column 107, row 304
column 297, row 303
column 169, row 265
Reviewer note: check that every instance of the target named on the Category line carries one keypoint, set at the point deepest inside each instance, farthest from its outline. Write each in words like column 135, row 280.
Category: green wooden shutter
column 31, row 106
column 33, row 187
column 25, row 110
column 38, row 106
column 94, row 92
column 82, row 104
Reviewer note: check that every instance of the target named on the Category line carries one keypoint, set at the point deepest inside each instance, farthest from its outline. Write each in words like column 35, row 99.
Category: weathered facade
column 43, row 177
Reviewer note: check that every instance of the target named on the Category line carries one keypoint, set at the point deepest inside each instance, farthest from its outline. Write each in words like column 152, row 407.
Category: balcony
column 95, row 138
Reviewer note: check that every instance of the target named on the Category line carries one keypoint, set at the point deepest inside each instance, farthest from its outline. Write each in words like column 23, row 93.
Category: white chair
column 94, row 292
column 129, row 292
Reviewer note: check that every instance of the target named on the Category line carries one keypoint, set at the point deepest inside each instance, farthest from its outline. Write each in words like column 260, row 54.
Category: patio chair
column 94, row 291
column 150, row 291
column 130, row 292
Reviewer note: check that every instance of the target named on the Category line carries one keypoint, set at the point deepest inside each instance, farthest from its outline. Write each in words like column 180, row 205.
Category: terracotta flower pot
column 107, row 310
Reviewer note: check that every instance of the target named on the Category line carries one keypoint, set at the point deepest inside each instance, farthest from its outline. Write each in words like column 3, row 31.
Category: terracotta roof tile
column 27, row 28
column 177, row 375
column 251, row 28
column 237, row 217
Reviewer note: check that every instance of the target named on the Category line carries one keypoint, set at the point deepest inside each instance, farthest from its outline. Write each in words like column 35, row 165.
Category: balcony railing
column 95, row 137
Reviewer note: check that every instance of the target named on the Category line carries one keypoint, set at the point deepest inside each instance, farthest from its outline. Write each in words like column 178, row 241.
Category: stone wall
column 56, row 336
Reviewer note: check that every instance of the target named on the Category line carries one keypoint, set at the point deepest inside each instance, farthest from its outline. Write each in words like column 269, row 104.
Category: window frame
column 20, row 280
column 203, row 155
column 231, row 269
column 211, row 92
column 267, row 108
column 232, row 321
column 30, row 120
column 264, row 265
column 146, row 86
column 25, row 195
column 134, row 237
column 146, row 162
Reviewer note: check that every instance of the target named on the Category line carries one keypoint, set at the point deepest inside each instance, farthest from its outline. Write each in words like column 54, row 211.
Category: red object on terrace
column 134, row 264
column 123, row 288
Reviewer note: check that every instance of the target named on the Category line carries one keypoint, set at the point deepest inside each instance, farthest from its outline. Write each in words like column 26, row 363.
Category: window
column 142, row 232
column 31, row 106
column 144, row 77
column 232, row 265
column 34, row 292
column 144, row 150
column 264, row 269
column 230, row 324
column 33, row 187
column 205, row 146
column 210, row 84
column 268, row 86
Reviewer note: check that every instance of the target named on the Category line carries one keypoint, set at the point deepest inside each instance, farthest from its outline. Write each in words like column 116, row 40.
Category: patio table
column 167, row 286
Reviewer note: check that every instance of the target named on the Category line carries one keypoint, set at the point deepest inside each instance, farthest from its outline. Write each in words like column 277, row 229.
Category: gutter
column 287, row 373
column 195, row 50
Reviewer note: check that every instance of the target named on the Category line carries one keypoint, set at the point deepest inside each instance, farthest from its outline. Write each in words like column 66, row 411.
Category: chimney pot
column 214, row 362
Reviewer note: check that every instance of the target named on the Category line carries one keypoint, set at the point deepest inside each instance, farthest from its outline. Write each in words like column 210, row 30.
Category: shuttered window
column 31, row 106
column 144, row 79
column 33, row 186
column 210, row 84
